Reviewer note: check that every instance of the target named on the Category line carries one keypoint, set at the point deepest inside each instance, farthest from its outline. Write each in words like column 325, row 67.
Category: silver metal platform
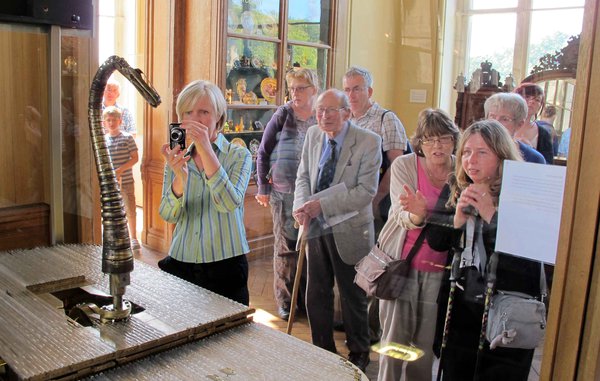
column 184, row 332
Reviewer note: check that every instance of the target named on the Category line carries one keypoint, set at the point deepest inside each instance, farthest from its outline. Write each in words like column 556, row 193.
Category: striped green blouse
column 209, row 216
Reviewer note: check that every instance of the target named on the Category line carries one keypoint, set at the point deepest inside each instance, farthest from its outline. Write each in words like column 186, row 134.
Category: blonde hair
column 497, row 138
column 308, row 75
column 194, row 91
column 112, row 111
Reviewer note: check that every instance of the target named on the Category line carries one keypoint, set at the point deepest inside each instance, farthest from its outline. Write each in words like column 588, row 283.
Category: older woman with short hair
column 203, row 195
column 418, row 181
column 510, row 110
column 532, row 133
column 277, row 163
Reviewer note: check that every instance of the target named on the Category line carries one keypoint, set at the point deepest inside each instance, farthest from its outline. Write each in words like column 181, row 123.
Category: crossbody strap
column 417, row 245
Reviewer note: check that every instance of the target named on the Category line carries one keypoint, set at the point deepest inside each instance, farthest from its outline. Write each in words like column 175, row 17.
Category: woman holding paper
column 474, row 193
column 417, row 182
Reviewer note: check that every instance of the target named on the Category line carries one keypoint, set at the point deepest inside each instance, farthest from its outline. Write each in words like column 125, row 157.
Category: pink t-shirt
column 426, row 259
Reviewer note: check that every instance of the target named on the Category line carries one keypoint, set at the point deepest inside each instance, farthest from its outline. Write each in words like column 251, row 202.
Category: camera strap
column 474, row 251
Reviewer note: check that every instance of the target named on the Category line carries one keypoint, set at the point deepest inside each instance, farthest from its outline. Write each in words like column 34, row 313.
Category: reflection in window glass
column 492, row 38
column 560, row 93
column 494, row 4
column 249, row 64
column 259, row 18
column 550, row 31
column 308, row 20
column 541, row 4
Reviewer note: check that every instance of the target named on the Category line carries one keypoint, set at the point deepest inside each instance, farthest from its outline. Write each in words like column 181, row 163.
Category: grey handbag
column 517, row 320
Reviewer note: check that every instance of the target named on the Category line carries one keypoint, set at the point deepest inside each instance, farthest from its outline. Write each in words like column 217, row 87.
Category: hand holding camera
column 176, row 136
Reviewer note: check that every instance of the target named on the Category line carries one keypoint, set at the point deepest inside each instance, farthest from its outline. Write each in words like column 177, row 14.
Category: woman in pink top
column 417, row 182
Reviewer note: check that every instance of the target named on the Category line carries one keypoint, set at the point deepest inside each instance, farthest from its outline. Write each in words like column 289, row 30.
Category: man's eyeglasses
column 443, row 140
column 328, row 110
column 355, row 89
column 298, row 89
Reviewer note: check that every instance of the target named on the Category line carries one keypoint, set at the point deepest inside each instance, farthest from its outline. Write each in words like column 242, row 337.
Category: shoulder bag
column 382, row 276
column 517, row 320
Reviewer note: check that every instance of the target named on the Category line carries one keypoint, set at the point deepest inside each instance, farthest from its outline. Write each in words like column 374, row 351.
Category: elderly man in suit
column 336, row 151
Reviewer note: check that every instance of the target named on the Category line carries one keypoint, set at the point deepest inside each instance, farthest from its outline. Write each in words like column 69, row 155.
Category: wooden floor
column 260, row 283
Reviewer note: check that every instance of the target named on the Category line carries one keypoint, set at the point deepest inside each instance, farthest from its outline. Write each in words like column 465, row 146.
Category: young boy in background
column 124, row 154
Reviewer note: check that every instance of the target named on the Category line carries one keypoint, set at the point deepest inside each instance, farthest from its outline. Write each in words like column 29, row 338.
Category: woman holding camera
column 203, row 195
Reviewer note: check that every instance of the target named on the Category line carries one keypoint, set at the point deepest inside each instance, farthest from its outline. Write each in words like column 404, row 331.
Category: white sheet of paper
column 334, row 220
column 529, row 210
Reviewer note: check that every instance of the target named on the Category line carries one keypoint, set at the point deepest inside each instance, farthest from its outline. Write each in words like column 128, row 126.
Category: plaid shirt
column 391, row 130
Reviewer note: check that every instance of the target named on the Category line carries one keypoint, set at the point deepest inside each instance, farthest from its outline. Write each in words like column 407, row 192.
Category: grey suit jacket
column 357, row 167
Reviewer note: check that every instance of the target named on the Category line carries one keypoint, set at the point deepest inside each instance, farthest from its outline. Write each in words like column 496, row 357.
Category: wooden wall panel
column 24, row 110
column 159, row 70
column 181, row 47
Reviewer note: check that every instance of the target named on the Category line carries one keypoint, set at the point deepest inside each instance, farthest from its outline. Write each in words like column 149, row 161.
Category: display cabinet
column 263, row 40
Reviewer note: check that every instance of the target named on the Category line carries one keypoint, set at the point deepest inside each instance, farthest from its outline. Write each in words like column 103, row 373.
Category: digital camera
column 176, row 135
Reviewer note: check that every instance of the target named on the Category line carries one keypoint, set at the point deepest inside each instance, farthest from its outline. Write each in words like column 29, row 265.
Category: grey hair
column 360, row 72
column 340, row 95
column 511, row 102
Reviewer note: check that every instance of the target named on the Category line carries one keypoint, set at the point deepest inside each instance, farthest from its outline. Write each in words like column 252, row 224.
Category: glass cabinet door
column 264, row 40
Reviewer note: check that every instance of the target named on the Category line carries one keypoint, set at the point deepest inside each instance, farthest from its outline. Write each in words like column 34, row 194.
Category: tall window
column 514, row 34
column 266, row 39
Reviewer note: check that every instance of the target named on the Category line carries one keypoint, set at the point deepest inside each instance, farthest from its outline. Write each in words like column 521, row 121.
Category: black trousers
column 228, row 277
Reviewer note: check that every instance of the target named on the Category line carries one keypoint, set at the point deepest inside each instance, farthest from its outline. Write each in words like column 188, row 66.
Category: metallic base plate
column 184, row 333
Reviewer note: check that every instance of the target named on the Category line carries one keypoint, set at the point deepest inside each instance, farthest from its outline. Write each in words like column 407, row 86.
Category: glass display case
column 264, row 40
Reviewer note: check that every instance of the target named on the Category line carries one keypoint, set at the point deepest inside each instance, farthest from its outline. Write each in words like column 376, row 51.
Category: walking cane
column 491, row 281
column 299, row 267
column 454, row 273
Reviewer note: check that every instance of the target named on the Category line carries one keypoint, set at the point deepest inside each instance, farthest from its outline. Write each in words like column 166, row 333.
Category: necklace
column 434, row 179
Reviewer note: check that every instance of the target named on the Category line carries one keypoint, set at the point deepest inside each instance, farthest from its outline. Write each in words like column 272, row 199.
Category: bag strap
column 383, row 115
column 543, row 283
column 416, row 246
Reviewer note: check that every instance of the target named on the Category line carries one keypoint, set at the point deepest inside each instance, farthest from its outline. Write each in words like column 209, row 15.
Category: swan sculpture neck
column 117, row 257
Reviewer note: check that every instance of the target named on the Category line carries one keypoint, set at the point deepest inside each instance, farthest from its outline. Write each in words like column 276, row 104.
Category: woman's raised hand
column 415, row 204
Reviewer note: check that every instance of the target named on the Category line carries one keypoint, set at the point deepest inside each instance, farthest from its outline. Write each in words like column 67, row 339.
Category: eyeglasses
column 502, row 119
column 443, row 140
column 298, row 89
column 328, row 110
column 355, row 89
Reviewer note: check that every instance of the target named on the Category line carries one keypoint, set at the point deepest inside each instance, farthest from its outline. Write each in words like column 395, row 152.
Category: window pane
column 494, row 4
column 492, row 38
column 249, row 63
column 308, row 21
column 308, row 57
column 253, row 17
column 550, row 31
column 541, row 4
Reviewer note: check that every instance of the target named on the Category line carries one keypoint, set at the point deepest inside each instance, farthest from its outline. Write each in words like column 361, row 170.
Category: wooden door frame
column 570, row 350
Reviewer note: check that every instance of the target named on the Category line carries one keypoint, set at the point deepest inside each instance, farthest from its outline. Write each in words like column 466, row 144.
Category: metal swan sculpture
column 117, row 257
